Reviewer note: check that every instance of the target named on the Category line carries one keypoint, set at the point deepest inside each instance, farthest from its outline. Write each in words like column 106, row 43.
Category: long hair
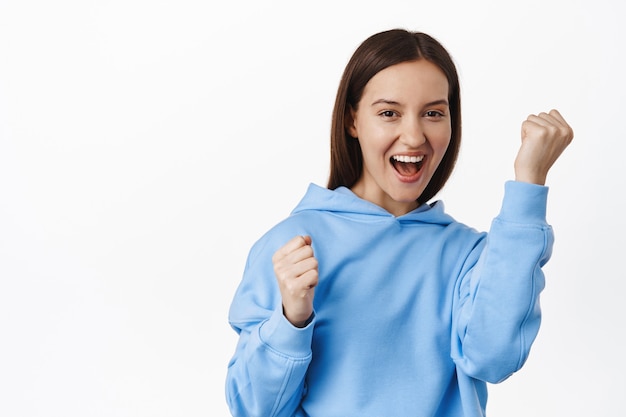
column 376, row 53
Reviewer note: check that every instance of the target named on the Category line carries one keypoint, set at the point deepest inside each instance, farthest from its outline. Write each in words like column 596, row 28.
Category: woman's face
column 403, row 126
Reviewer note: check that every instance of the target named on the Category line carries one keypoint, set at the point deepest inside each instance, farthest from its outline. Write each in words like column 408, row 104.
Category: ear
column 350, row 122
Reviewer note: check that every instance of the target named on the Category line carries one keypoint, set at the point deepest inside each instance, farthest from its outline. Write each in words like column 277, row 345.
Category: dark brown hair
column 376, row 53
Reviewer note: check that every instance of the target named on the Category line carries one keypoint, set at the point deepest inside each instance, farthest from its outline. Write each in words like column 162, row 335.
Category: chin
column 409, row 194
column 407, row 198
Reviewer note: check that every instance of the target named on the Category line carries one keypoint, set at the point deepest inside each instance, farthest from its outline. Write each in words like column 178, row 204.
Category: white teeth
column 406, row 158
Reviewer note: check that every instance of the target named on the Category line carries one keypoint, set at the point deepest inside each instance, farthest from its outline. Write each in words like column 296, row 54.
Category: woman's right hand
column 296, row 271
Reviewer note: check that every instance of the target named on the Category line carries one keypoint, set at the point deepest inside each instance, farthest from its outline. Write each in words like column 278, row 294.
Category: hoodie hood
column 343, row 202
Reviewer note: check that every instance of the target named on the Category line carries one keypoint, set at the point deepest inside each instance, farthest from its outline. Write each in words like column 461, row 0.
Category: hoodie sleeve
column 497, row 313
column 265, row 376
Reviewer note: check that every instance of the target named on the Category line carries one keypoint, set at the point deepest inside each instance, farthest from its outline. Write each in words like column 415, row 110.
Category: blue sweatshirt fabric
column 413, row 315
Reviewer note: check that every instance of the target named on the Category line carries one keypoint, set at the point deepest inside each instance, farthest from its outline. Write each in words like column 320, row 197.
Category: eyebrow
column 395, row 103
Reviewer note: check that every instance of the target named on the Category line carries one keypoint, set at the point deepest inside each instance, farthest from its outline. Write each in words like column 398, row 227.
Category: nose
column 412, row 134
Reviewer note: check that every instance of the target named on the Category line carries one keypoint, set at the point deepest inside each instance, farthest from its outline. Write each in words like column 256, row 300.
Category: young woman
column 367, row 300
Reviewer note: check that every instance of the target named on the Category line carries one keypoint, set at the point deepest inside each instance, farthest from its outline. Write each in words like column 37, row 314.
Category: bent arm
column 497, row 314
column 265, row 376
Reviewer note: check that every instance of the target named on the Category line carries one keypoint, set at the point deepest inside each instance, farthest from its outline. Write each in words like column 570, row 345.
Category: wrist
column 300, row 320
column 531, row 177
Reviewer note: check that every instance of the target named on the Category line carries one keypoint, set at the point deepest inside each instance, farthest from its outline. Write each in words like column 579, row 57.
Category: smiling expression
column 402, row 123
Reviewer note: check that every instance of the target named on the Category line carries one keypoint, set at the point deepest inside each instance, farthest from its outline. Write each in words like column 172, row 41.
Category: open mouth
column 407, row 165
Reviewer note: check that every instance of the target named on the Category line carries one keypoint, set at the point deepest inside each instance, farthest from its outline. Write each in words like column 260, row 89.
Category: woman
column 369, row 301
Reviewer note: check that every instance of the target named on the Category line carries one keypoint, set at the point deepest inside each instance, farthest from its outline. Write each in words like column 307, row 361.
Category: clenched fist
column 296, row 272
column 544, row 137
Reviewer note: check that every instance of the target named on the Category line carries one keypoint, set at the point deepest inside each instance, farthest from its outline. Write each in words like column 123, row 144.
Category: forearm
column 266, row 375
column 499, row 316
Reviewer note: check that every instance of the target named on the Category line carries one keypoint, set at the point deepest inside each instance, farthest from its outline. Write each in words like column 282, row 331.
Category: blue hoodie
column 413, row 315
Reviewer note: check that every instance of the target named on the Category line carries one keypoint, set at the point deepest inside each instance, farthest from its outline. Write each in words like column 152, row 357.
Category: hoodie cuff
column 524, row 202
column 284, row 337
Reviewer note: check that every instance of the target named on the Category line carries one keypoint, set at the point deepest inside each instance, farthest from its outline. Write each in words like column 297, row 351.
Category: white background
column 145, row 145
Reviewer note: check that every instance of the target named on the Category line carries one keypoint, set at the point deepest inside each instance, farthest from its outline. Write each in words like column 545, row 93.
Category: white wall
column 145, row 145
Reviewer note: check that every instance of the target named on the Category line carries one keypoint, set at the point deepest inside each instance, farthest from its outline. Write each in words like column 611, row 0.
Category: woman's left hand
column 544, row 137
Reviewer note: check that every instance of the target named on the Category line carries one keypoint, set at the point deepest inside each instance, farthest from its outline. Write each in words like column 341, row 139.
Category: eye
column 434, row 114
column 388, row 114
